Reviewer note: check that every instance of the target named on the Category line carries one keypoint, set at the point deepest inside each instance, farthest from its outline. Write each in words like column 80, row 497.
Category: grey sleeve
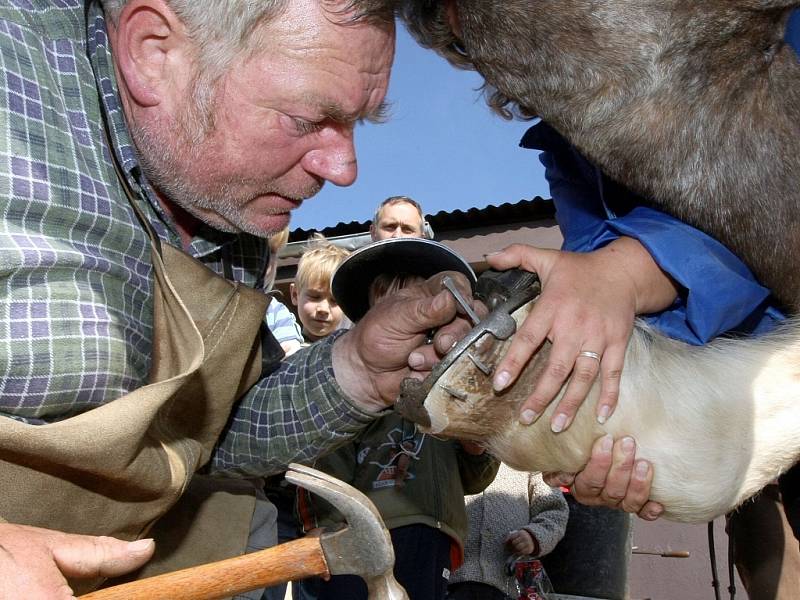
column 548, row 513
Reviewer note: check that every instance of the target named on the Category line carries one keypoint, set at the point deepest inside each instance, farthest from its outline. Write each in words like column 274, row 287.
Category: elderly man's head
column 240, row 110
column 398, row 216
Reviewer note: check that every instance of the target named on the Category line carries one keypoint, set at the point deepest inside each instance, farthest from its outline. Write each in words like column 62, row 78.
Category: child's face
column 318, row 312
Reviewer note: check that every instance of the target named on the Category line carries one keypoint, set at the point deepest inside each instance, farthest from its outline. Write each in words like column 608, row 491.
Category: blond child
column 319, row 314
column 280, row 319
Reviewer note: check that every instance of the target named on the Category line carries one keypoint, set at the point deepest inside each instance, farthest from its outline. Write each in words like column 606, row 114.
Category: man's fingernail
column 140, row 546
column 602, row 415
column 559, row 422
column 501, row 381
column 528, row 416
column 447, row 341
column 488, row 254
column 641, row 470
column 607, row 444
column 415, row 359
column 440, row 301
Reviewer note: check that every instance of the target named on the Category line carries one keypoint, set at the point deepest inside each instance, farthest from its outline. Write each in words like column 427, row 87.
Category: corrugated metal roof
column 523, row 210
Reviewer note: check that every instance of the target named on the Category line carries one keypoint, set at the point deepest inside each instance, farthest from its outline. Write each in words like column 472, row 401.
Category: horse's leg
column 765, row 550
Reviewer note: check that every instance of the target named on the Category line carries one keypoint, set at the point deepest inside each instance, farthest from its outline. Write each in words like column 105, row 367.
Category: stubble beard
column 166, row 151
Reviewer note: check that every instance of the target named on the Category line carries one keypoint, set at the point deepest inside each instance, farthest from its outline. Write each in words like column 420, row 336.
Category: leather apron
column 116, row 469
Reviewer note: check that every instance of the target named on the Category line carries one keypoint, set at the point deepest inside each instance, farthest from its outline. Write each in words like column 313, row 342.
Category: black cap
column 394, row 256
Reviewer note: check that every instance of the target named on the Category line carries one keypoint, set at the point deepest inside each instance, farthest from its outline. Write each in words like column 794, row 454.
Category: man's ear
column 452, row 17
column 151, row 51
column 293, row 293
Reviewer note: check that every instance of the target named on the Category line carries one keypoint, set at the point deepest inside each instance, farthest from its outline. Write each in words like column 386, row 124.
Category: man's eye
column 306, row 127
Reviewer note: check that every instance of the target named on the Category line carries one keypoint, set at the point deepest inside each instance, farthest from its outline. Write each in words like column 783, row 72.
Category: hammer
column 363, row 548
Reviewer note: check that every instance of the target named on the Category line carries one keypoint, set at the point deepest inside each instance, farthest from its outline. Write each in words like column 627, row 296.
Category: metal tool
column 363, row 548
column 664, row 553
column 448, row 282
column 503, row 292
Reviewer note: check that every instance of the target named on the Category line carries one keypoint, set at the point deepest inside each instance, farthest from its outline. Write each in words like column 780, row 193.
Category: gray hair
column 224, row 29
column 392, row 200
column 220, row 30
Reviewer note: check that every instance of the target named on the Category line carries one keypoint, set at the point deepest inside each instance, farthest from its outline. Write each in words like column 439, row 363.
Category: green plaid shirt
column 76, row 281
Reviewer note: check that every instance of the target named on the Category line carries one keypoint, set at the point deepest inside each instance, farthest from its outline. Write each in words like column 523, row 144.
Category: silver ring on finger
column 590, row 354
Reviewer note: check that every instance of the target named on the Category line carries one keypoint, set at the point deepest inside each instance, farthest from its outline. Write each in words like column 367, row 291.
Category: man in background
column 398, row 216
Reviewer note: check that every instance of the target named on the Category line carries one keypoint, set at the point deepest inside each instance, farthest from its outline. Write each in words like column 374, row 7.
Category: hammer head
column 364, row 547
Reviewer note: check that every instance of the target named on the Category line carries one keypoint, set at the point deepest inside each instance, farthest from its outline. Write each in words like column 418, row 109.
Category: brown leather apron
column 118, row 468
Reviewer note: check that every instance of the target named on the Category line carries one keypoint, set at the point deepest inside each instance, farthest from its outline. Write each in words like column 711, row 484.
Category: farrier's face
column 283, row 121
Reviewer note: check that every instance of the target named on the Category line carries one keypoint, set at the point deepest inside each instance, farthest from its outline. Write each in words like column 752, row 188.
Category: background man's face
column 282, row 123
column 397, row 220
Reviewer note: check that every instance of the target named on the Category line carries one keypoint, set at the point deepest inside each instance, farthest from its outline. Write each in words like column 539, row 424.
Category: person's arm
column 476, row 467
column 717, row 293
column 284, row 327
column 712, row 292
column 792, row 36
column 549, row 513
column 323, row 395
column 640, row 263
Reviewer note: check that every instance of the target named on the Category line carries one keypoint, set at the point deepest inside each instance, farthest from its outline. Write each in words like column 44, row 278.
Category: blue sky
column 442, row 146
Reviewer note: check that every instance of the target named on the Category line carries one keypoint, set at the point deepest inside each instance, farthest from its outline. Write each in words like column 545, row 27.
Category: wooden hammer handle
column 293, row 560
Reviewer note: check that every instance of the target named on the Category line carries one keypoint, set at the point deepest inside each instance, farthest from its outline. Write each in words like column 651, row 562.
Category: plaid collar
column 207, row 240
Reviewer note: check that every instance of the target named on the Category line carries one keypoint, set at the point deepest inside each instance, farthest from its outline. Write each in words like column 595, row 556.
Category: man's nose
column 335, row 157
